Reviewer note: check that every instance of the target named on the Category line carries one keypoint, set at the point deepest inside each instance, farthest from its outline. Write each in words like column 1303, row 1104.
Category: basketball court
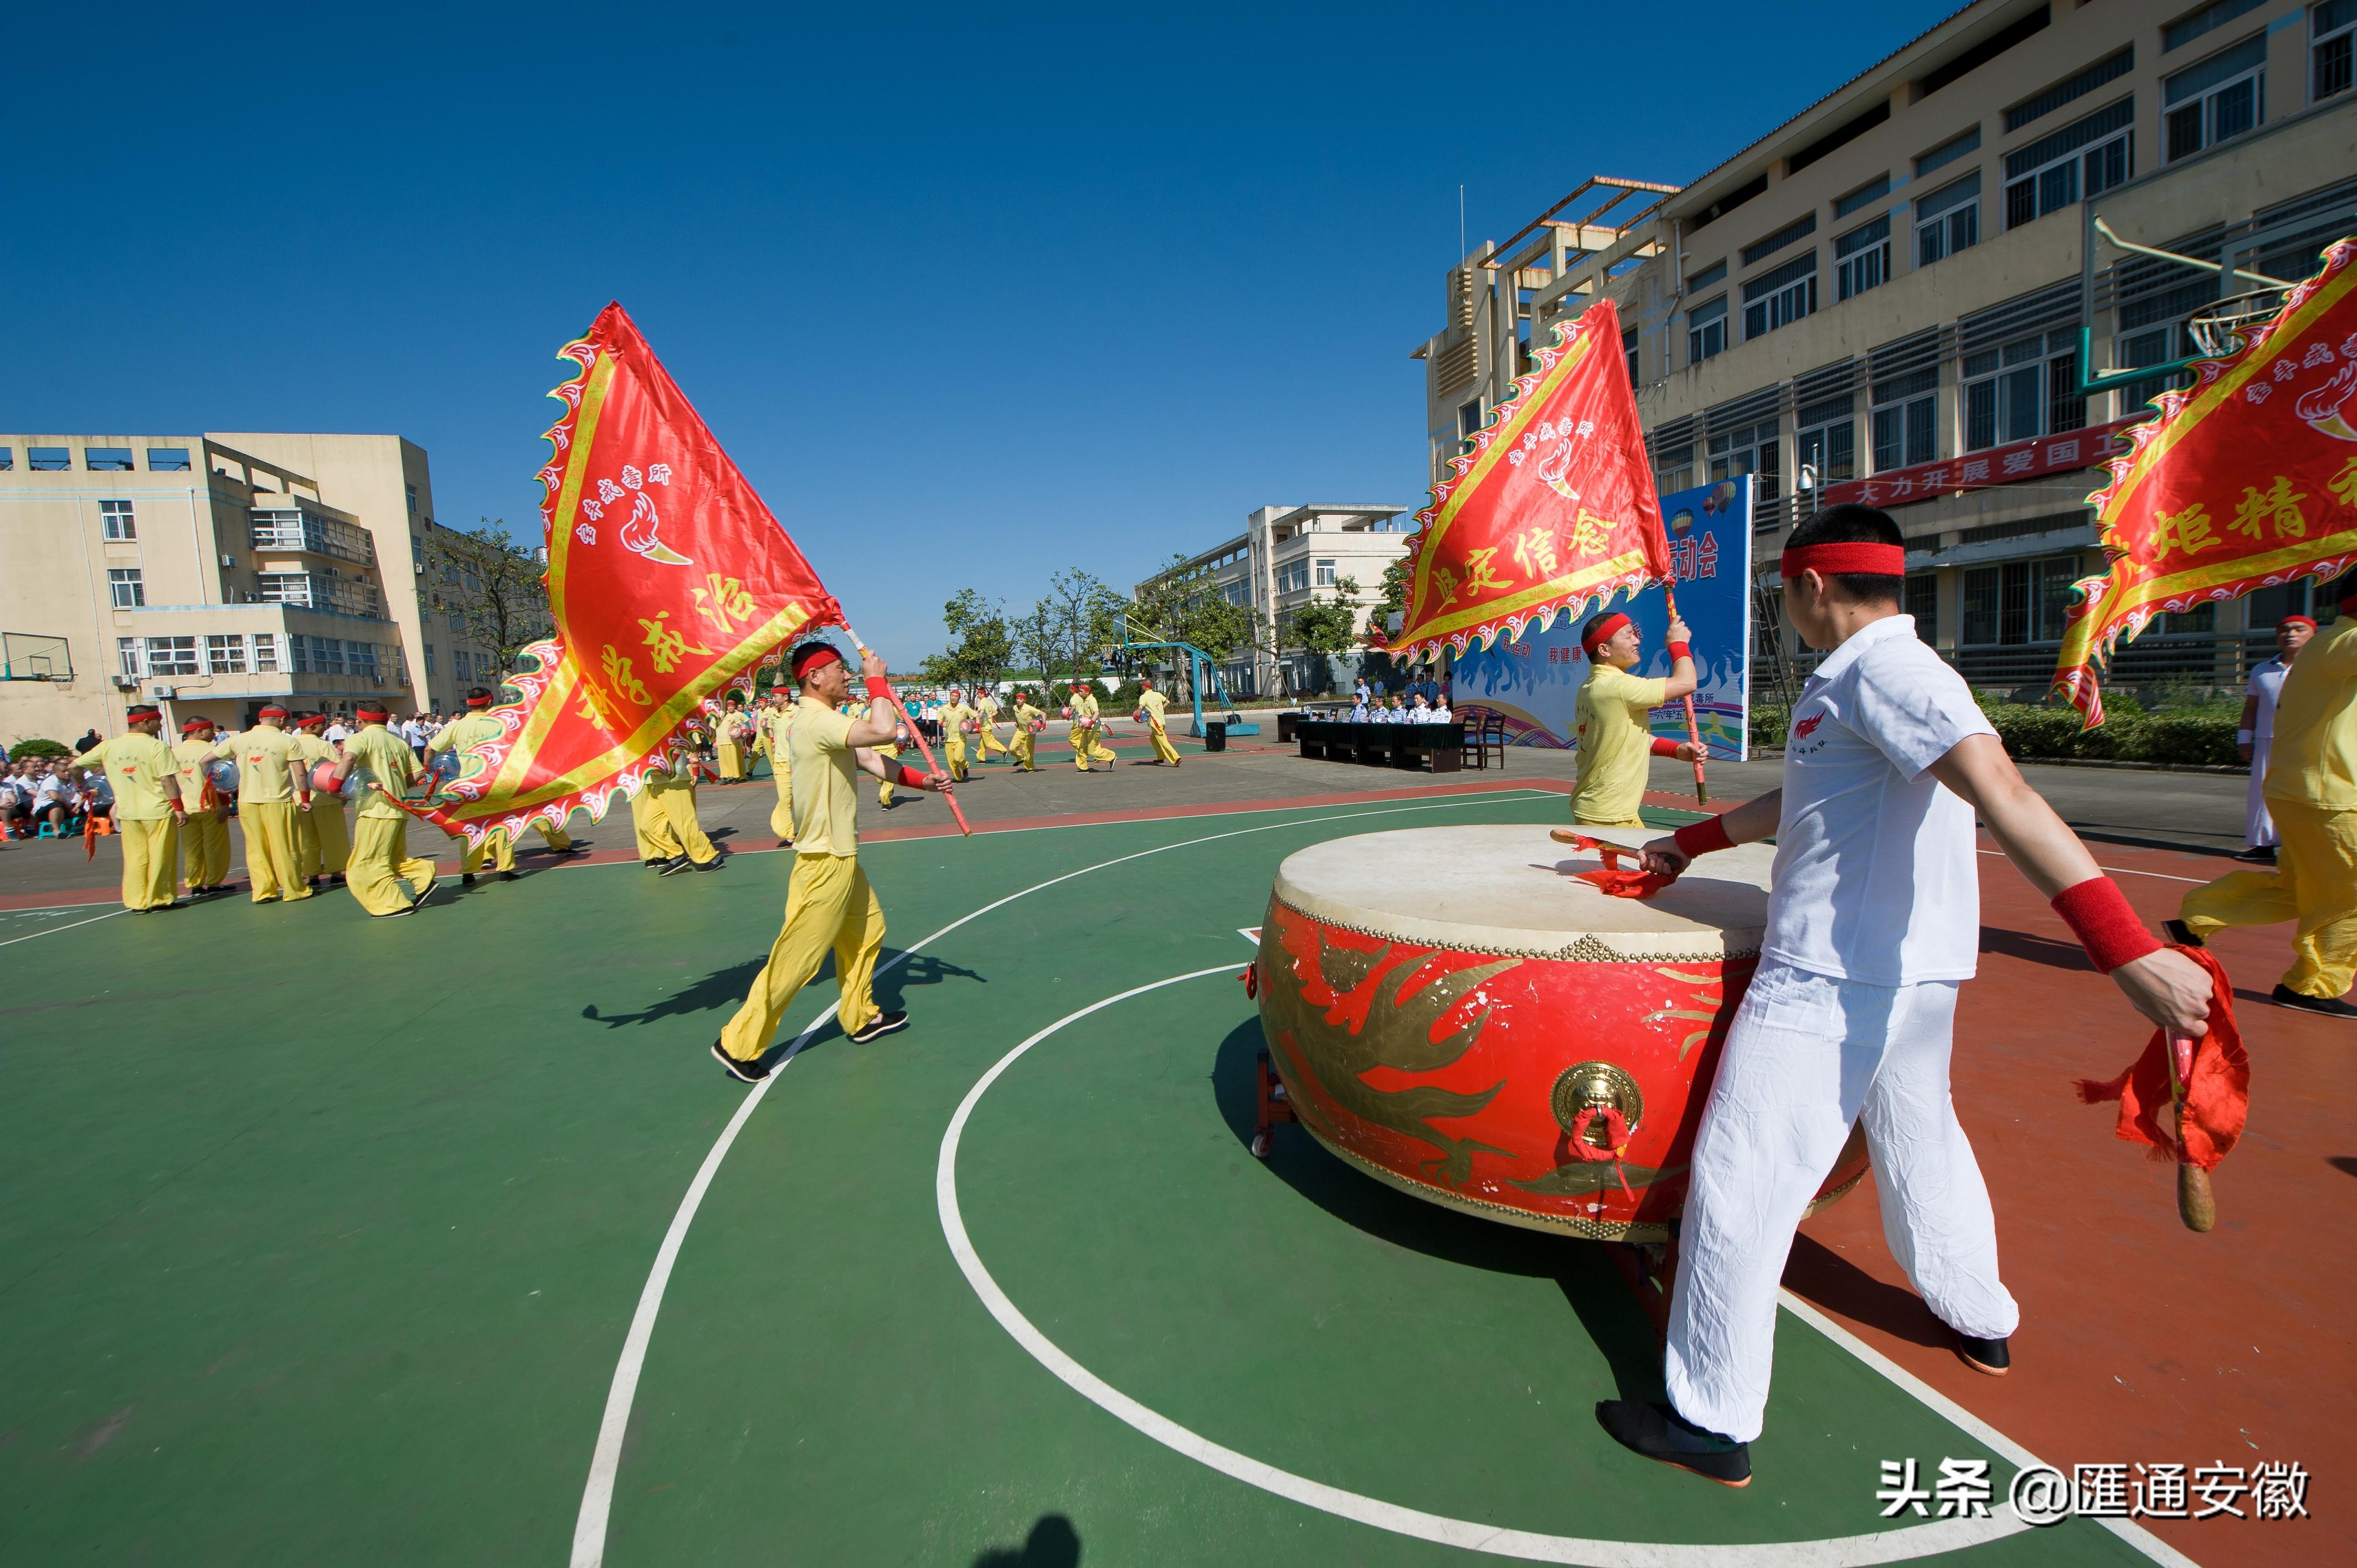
column 308, row 1261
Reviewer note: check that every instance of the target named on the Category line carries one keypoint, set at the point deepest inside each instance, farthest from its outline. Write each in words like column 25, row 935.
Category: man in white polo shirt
column 1873, row 921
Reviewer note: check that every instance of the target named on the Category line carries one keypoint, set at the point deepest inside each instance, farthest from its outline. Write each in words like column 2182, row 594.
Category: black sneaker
column 467, row 879
column 655, row 860
column 743, row 1072
column 409, row 908
column 335, row 879
column 674, row 865
column 2264, row 855
column 507, row 877
column 715, row 863
column 785, row 843
column 2330, row 1007
column 1990, row 1355
column 878, row 1027
column 2182, row 934
column 1660, row 1432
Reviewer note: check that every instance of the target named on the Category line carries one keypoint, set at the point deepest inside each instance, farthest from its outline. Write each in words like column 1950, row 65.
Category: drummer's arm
column 1754, row 819
column 1681, row 682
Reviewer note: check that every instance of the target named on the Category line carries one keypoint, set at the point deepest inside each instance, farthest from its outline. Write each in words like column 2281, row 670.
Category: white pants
column 1808, row 1056
column 2258, row 828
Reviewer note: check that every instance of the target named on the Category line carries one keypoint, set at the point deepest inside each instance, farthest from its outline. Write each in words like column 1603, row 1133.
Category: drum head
column 1513, row 890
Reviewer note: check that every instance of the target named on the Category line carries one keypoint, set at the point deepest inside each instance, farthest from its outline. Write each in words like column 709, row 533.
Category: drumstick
column 1694, row 731
column 919, row 736
column 2195, row 1203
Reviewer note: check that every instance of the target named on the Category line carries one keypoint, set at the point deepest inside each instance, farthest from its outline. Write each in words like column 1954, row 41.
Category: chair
column 1486, row 734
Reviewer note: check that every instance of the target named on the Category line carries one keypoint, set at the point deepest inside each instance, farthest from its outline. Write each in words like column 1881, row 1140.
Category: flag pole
column 1694, row 731
column 918, row 735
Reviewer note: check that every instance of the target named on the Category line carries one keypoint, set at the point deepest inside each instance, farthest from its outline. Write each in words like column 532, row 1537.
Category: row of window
column 254, row 653
column 96, row 459
column 126, row 589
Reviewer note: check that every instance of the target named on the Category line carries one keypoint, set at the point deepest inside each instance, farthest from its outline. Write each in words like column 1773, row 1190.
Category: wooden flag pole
column 1694, row 730
column 918, row 735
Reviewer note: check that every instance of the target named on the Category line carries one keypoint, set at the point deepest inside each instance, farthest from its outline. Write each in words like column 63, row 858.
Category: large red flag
column 2246, row 481
column 667, row 579
column 1552, row 511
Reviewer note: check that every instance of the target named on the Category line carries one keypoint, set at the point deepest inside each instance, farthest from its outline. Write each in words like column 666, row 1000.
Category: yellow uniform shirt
column 313, row 749
column 262, row 755
column 462, row 733
column 1084, row 709
column 145, row 774
column 190, row 758
column 1154, row 703
column 986, row 711
column 1026, row 715
column 826, row 781
column 1614, row 743
column 2314, row 759
column 954, row 717
column 381, row 756
column 778, row 731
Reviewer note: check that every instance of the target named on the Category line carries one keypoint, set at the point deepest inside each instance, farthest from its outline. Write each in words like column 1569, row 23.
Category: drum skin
column 1453, row 1057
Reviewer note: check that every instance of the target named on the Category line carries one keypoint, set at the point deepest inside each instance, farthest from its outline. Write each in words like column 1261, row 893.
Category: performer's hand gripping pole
column 1694, row 730
column 2195, row 1203
column 918, row 735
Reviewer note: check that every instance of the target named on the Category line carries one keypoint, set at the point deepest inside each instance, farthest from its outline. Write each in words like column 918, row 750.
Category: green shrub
column 37, row 748
column 2201, row 735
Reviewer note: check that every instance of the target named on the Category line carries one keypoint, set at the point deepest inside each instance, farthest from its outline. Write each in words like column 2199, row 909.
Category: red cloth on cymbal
column 2217, row 1098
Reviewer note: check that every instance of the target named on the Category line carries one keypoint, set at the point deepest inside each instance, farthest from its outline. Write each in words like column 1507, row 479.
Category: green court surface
column 307, row 1259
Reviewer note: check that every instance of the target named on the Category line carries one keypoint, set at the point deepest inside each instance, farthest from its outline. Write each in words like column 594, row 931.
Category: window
column 462, row 665
column 2223, row 96
column 1717, row 271
column 1921, row 600
column 1325, row 577
column 225, row 653
column 1294, row 577
column 2330, row 27
column 361, row 657
column 7, row 460
column 266, row 660
column 1780, row 297
column 172, row 656
column 316, row 655
column 115, row 518
column 1751, row 449
column 1237, row 593
column 2177, row 35
column 1707, row 330
column 107, row 460
column 284, row 587
column 1948, row 152
column 413, row 499
column 456, row 621
column 1797, row 230
column 126, row 587
column 429, row 658
column 1629, row 352
column 2018, row 601
column 2086, row 157
column 1468, row 420
column 126, row 657
column 1828, row 438
column 2027, row 388
column 1948, row 220
column 2078, row 87
column 48, row 459
column 168, row 459
column 2156, row 347
column 1862, row 259
column 1865, row 195
column 1903, row 407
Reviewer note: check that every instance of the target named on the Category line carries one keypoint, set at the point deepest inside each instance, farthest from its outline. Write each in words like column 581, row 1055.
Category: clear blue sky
column 970, row 297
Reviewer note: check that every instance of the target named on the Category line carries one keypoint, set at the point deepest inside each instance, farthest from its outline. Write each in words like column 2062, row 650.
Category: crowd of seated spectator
column 49, row 791
column 1368, row 709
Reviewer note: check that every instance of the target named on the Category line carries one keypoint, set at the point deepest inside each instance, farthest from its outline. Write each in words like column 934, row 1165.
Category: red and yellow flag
column 667, row 579
column 1552, row 511
column 2246, row 481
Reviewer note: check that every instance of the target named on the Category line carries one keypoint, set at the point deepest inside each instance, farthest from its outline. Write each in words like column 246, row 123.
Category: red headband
column 371, row 715
column 189, row 724
column 817, row 657
column 2295, row 620
column 273, row 712
column 142, row 713
column 317, row 721
column 1833, row 560
column 478, row 702
column 1603, row 631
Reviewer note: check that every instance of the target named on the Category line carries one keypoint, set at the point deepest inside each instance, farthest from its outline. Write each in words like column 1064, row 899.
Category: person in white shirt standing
column 1873, row 923
column 2256, row 736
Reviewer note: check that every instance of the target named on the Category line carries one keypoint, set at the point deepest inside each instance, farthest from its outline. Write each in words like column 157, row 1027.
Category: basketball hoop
column 2221, row 329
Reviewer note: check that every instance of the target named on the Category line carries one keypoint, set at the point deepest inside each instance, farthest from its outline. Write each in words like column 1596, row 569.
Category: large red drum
column 1455, row 1011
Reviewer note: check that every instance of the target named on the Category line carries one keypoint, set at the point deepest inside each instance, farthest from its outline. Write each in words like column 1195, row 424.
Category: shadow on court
column 1052, row 1543
column 724, row 989
column 1608, row 1313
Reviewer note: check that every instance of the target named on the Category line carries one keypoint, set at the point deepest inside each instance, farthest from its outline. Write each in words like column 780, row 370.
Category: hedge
column 2128, row 734
column 37, row 748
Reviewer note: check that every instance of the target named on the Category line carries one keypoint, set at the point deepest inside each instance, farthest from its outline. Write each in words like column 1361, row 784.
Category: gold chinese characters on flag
column 667, row 579
column 1552, row 511
column 2247, row 480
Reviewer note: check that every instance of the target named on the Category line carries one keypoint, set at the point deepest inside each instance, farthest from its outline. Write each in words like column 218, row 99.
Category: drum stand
column 1275, row 1105
column 1649, row 1268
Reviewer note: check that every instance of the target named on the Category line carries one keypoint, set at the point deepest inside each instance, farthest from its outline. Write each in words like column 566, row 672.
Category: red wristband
column 909, row 776
column 879, row 686
column 2098, row 914
column 1680, row 651
column 1702, row 837
column 1664, row 747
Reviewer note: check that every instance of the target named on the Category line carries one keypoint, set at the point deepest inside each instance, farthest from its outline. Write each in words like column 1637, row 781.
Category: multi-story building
column 1288, row 557
column 212, row 574
column 1899, row 295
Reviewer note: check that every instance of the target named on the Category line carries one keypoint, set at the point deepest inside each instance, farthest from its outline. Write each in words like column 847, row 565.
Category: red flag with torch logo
column 1552, row 511
column 667, row 579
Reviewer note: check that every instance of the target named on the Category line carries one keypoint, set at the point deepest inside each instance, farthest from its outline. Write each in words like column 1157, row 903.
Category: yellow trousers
column 1162, row 747
column 498, row 845
column 676, row 802
column 151, row 861
column 953, row 753
column 1579, row 822
column 1024, row 741
column 2314, row 882
column 652, row 826
column 273, row 865
column 731, row 758
column 1088, row 749
column 558, row 839
column 987, row 742
column 321, row 840
column 204, row 843
column 883, row 790
column 829, row 907
column 381, row 865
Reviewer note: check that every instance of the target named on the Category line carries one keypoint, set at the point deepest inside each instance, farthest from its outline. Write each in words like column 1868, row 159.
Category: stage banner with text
column 1534, row 683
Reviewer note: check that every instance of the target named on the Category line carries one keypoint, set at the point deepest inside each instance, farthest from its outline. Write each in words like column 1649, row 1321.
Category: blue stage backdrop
column 1534, row 684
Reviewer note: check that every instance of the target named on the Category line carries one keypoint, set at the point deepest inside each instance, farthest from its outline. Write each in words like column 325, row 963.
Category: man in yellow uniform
column 475, row 726
column 384, row 878
column 271, row 792
column 956, row 717
column 1157, row 706
column 1026, row 734
column 829, row 905
column 986, row 714
column 147, row 808
column 673, row 793
column 651, row 826
column 204, row 831
column 2311, row 793
column 322, row 841
column 1088, row 746
column 778, row 738
column 880, row 709
column 729, row 736
column 1614, row 742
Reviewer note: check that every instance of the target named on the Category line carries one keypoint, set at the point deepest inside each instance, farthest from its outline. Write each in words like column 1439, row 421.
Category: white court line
column 70, row 925
column 606, row 1458
column 2119, row 870
column 1844, row 1552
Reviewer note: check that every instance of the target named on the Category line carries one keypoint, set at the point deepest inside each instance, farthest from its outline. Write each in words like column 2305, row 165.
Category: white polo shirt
column 1876, row 878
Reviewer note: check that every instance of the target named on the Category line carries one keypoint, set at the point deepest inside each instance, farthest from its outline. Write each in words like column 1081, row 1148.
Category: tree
column 496, row 587
column 1035, row 639
column 1324, row 627
column 1187, row 604
column 983, row 645
column 1081, row 616
column 1397, row 578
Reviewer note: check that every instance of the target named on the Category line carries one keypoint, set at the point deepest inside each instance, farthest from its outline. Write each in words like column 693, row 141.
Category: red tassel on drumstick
column 2206, row 1084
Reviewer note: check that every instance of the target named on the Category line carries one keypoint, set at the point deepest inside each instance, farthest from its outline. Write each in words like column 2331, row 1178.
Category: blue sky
column 970, row 296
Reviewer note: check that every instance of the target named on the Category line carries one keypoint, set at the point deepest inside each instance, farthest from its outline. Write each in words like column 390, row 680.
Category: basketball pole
column 918, row 735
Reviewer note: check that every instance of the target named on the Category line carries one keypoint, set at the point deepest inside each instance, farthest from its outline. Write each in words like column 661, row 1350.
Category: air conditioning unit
column 420, row 568
column 229, row 560
column 163, row 694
